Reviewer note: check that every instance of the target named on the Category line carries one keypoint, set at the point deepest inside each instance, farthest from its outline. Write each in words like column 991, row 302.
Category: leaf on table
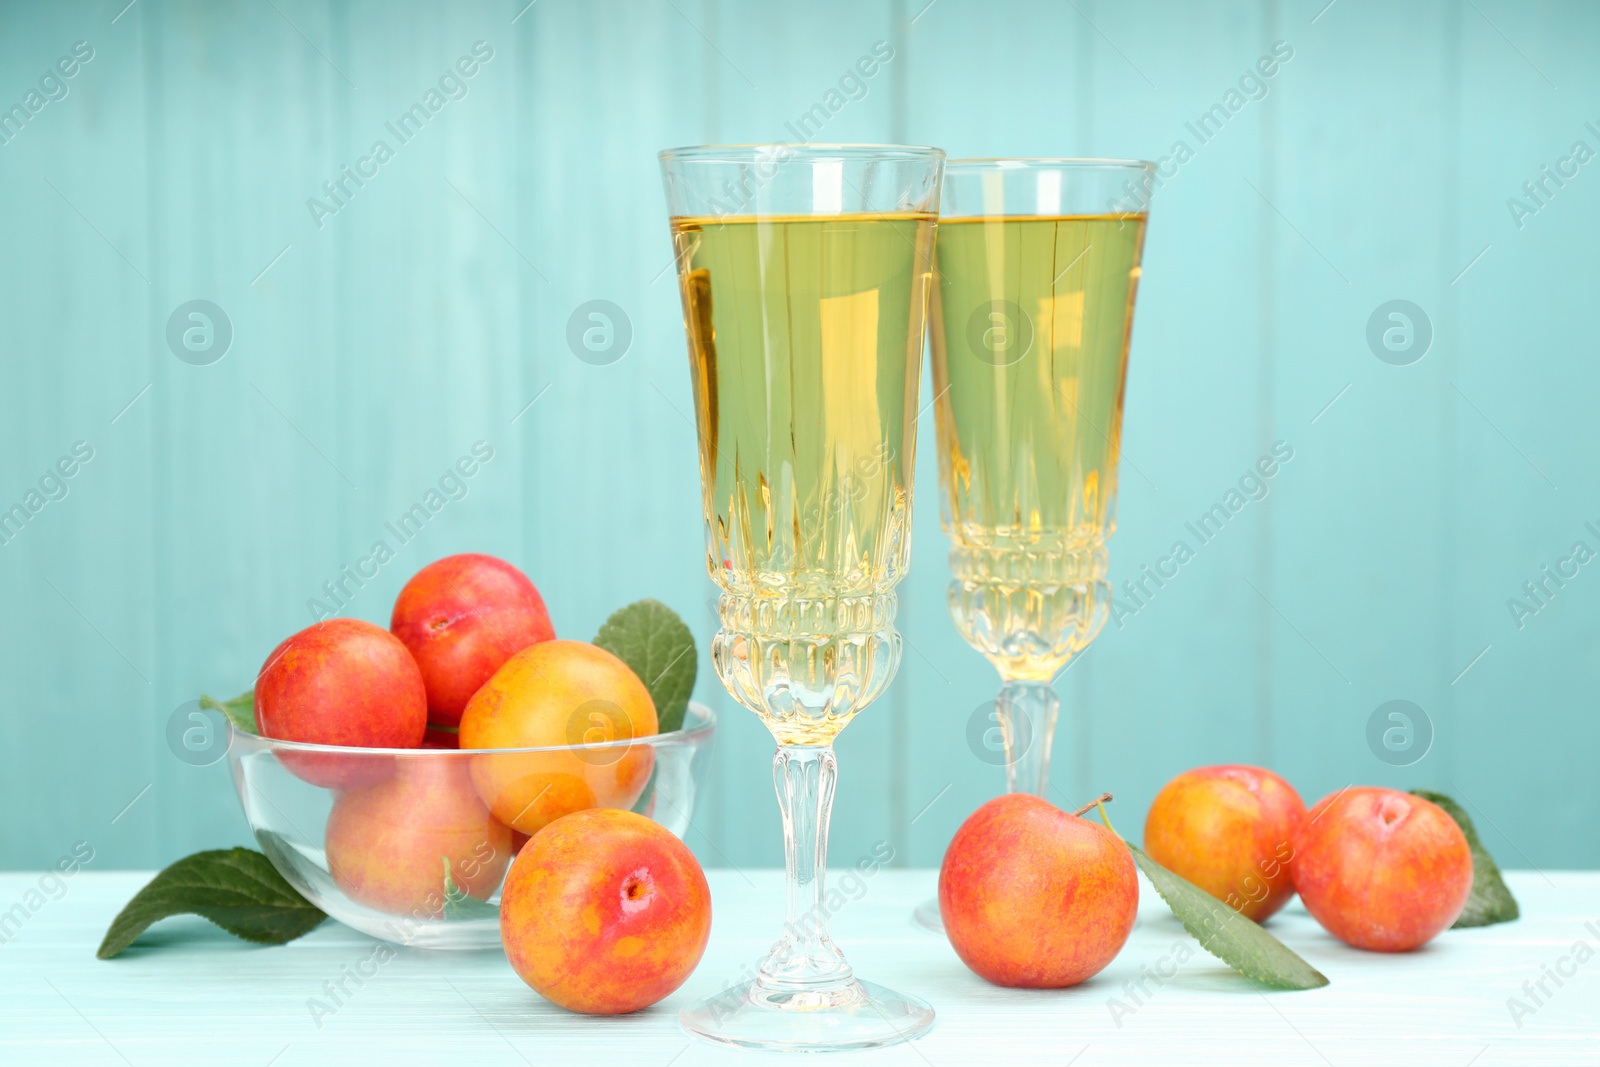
column 1490, row 901
column 1227, row 935
column 460, row 905
column 236, row 888
column 240, row 711
column 652, row 639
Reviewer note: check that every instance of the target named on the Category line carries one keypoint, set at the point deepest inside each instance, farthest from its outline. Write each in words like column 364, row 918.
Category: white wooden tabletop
column 187, row 993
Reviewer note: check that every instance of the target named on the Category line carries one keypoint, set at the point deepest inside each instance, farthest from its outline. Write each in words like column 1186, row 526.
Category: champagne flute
column 805, row 271
column 1036, row 271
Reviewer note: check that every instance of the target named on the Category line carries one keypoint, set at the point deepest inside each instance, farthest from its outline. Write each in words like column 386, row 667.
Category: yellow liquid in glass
column 805, row 337
column 1030, row 335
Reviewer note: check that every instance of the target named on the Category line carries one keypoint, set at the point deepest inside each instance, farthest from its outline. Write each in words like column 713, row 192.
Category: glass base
column 926, row 915
column 854, row 1014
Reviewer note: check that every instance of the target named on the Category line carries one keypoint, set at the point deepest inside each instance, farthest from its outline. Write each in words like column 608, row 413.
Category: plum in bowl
column 411, row 845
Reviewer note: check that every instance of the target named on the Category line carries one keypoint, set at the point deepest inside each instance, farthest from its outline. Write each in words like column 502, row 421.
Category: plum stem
column 1100, row 803
column 1095, row 803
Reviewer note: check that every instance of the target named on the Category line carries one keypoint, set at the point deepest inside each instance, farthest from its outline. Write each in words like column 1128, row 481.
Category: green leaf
column 237, row 888
column 1490, row 901
column 459, row 904
column 650, row 637
column 241, row 710
column 1227, row 935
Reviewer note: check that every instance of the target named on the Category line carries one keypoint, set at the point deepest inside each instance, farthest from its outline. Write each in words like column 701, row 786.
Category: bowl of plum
column 391, row 776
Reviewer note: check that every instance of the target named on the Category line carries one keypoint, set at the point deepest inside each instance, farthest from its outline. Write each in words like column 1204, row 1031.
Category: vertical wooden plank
column 1170, row 682
column 1352, row 417
column 610, row 488
column 241, row 498
column 1521, row 391
column 77, row 663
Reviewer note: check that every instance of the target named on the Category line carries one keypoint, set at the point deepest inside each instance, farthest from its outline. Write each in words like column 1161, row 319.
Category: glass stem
column 805, row 957
column 1027, row 712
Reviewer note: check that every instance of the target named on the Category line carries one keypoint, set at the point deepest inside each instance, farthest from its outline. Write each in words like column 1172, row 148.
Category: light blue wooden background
column 426, row 314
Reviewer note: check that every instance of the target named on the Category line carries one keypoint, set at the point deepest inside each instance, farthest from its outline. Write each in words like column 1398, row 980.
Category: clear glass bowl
column 411, row 845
